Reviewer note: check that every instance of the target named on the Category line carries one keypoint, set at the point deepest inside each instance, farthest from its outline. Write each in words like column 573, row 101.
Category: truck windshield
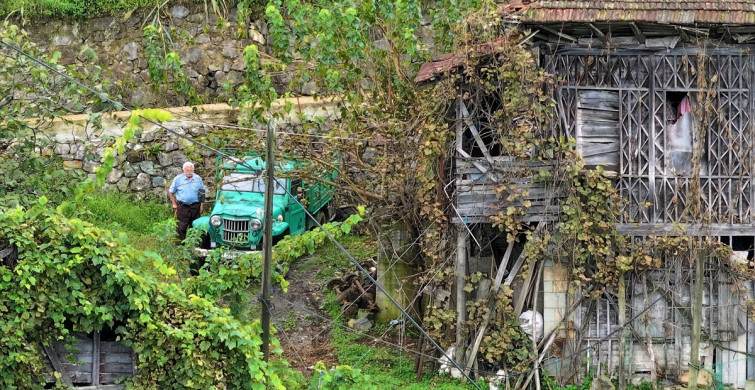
column 247, row 182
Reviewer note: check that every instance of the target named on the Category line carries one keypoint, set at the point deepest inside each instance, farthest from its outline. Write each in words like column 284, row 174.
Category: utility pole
column 267, row 242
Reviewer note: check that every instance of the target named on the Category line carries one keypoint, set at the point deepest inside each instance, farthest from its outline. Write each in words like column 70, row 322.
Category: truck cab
column 237, row 217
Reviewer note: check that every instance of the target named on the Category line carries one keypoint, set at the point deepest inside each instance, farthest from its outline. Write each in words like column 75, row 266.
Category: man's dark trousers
column 186, row 214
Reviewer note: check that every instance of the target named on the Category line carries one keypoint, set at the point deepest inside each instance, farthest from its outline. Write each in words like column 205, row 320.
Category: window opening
column 483, row 120
column 296, row 188
column 743, row 247
column 245, row 182
column 680, row 125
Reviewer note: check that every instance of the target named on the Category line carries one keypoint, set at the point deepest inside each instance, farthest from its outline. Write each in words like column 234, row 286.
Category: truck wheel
column 322, row 217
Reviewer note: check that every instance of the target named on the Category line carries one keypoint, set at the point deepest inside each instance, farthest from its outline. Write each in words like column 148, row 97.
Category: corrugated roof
column 450, row 62
column 660, row 11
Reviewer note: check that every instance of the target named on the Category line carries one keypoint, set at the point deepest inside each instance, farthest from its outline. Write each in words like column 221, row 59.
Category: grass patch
column 388, row 368
column 125, row 214
column 330, row 259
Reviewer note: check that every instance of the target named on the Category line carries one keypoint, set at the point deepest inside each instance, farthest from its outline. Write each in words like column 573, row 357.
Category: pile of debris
column 355, row 292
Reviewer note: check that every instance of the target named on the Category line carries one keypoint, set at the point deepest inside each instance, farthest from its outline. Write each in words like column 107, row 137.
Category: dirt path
column 303, row 328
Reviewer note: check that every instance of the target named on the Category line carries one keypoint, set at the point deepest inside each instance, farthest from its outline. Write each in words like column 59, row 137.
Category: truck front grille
column 236, row 231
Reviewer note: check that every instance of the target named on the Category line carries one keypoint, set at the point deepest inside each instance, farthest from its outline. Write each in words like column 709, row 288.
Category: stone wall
column 155, row 156
column 208, row 44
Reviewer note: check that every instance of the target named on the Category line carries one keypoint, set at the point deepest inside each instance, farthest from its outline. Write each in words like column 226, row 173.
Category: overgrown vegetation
column 404, row 127
column 165, row 65
column 92, row 280
column 80, row 9
column 177, row 324
column 138, row 219
column 61, row 275
column 390, row 132
column 118, row 211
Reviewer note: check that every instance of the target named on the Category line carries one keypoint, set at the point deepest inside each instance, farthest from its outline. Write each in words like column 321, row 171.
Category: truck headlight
column 280, row 218
column 215, row 221
column 256, row 224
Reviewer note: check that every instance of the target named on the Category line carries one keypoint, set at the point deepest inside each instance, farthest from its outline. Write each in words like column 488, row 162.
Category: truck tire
column 322, row 217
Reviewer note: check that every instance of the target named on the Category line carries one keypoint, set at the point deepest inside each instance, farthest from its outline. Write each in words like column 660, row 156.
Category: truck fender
column 279, row 227
column 201, row 223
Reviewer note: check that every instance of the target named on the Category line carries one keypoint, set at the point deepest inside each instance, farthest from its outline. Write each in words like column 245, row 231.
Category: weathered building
column 659, row 94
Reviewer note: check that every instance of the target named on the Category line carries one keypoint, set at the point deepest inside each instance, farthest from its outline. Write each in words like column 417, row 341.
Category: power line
column 282, row 330
column 608, row 336
column 382, row 289
column 244, row 163
column 379, row 340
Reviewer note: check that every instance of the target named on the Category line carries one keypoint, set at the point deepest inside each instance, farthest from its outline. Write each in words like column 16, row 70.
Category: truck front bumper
column 228, row 254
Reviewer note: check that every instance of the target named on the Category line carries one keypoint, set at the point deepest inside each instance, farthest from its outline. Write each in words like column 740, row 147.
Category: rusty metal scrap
column 355, row 291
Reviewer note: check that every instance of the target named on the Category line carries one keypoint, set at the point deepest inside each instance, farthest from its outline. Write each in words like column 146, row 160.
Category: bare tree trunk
column 697, row 315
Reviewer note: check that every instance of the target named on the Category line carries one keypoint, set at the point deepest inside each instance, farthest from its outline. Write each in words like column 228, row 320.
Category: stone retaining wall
column 209, row 46
column 155, row 156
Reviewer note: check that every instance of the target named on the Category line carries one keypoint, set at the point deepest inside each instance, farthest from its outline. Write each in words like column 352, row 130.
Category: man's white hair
column 188, row 164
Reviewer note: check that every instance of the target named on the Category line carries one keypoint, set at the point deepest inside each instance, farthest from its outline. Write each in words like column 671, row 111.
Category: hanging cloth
column 684, row 106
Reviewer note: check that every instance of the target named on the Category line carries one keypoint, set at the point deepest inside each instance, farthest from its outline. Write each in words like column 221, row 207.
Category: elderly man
column 187, row 194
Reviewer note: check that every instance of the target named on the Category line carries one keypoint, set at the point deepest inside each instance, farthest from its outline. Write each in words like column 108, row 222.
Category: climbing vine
column 165, row 66
column 91, row 279
column 177, row 326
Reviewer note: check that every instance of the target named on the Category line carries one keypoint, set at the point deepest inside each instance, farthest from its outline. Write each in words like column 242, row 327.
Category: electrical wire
column 379, row 340
column 282, row 330
column 294, row 198
column 381, row 288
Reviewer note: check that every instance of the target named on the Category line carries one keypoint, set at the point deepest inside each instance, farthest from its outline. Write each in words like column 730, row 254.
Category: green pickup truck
column 238, row 215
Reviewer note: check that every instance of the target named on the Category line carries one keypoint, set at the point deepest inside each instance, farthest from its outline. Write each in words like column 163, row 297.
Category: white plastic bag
column 532, row 324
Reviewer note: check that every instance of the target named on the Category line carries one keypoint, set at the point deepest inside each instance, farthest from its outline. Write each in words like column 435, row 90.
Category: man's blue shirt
column 186, row 189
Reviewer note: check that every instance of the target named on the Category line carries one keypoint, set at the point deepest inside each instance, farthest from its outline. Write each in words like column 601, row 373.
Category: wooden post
column 535, row 296
column 267, row 241
column 492, row 307
column 750, row 334
column 648, row 336
column 624, row 331
column 461, row 295
column 57, row 365
column 96, row 359
column 697, row 315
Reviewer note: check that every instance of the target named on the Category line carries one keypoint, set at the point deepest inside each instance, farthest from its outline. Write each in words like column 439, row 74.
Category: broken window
column 679, row 129
column 480, row 138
